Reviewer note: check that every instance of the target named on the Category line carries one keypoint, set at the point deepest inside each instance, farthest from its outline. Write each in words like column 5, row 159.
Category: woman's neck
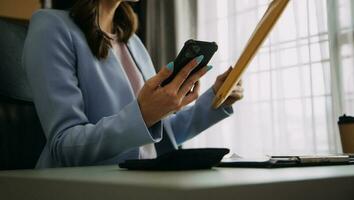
column 107, row 9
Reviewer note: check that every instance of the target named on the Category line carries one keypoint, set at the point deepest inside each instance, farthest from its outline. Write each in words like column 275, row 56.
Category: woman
column 97, row 94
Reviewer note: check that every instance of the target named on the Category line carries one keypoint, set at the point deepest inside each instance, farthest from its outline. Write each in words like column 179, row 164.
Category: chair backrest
column 21, row 135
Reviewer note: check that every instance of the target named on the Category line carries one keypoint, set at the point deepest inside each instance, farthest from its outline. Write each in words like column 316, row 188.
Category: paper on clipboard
column 262, row 30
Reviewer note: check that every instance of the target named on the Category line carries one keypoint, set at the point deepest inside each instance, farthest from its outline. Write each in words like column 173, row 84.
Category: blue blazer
column 87, row 107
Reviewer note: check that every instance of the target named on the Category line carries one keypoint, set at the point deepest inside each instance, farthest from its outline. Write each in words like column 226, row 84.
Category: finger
column 236, row 95
column 184, row 73
column 239, row 96
column 227, row 72
column 192, row 96
column 196, row 87
column 191, row 81
column 163, row 74
column 238, row 89
column 224, row 75
column 240, row 83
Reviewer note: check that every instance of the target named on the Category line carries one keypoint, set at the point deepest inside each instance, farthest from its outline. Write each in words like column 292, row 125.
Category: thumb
column 225, row 74
column 162, row 75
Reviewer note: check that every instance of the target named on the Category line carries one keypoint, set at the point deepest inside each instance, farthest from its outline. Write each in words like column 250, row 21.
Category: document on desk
column 262, row 30
column 288, row 161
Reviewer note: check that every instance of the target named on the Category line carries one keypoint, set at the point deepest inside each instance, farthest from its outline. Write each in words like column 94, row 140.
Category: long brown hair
column 85, row 15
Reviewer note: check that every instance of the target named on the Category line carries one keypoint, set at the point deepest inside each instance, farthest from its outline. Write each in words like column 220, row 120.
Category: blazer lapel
column 142, row 60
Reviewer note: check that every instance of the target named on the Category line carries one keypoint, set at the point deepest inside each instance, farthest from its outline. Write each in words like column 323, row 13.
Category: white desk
column 110, row 182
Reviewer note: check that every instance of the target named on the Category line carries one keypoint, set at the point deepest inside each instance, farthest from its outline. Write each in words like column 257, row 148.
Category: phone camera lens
column 189, row 54
column 196, row 49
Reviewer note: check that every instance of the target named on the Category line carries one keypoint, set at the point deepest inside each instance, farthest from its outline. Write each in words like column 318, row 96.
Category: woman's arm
column 193, row 120
column 50, row 60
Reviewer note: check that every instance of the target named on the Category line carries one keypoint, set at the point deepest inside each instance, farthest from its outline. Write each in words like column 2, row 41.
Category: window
column 299, row 83
column 343, row 25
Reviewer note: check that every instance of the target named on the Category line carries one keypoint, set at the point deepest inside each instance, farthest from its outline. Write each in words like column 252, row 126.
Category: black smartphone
column 191, row 50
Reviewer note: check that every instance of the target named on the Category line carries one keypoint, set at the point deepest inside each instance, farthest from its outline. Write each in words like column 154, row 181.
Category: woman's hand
column 237, row 92
column 157, row 102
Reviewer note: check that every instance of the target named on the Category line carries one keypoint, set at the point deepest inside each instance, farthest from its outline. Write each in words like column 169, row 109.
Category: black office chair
column 21, row 135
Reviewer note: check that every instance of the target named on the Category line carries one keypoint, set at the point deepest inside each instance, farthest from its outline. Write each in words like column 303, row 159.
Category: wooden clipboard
column 262, row 30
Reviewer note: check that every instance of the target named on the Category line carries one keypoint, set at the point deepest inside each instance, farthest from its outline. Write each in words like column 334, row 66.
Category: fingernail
column 199, row 59
column 209, row 67
column 170, row 66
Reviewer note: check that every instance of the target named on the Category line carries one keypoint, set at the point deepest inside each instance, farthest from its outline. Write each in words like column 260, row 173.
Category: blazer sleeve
column 193, row 120
column 50, row 62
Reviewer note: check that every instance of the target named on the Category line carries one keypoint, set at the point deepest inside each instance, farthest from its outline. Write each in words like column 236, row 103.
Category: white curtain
column 299, row 83
column 168, row 25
